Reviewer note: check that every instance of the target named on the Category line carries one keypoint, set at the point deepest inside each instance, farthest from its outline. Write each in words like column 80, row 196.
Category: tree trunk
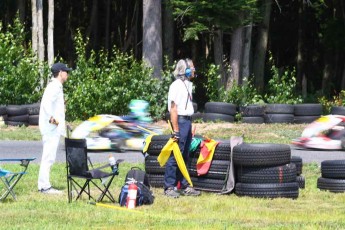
column 168, row 32
column 50, row 47
column 236, row 57
column 21, row 9
column 34, row 30
column 300, row 54
column 107, row 25
column 41, row 49
column 92, row 29
column 261, row 46
column 218, row 56
column 152, row 35
column 247, row 51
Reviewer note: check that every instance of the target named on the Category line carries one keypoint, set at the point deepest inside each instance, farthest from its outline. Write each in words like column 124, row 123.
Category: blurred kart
column 327, row 132
column 118, row 133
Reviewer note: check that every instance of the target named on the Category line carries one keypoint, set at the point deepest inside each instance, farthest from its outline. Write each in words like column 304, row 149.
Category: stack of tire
column 17, row 115
column 253, row 114
column 279, row 113
column 306, row 113
column 299, row 166
column 154, row 171
column 338, row 110
column 265, row 170
column 214, row 179
column 332, row 176
column 3, row 115
column 20, row 115
column 219, row 111
column 33, row 112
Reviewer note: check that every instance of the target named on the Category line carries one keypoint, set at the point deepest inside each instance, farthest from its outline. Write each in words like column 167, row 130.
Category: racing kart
column 110, row 132
column 326, row 133
column 119, row 133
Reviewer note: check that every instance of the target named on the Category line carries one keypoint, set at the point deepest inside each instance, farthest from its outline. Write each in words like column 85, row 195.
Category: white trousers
column 50, row 146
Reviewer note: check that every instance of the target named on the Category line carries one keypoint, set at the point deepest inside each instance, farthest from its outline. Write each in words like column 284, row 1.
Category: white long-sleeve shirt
column 52, row 105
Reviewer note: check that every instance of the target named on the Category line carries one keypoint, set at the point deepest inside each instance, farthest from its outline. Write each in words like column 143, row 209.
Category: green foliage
column 281, row 89
column 337, row 100
column 19, row 68
column 210, row 15
column 108, row 85
column 244, row 94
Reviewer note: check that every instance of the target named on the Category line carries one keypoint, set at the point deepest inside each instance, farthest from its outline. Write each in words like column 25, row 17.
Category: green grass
column 314, row 209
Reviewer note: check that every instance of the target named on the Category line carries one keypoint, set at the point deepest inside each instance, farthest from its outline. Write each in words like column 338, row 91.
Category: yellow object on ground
column 172, row 146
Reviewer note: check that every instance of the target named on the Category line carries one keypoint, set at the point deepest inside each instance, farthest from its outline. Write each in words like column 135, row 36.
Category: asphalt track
column 23, row 149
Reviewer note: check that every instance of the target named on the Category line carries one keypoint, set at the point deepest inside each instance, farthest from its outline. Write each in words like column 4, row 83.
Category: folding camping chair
column 10, row 179
column 78, row 170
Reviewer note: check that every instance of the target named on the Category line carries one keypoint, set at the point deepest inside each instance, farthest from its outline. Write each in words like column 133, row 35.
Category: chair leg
column 9, row 186
column 105, row 191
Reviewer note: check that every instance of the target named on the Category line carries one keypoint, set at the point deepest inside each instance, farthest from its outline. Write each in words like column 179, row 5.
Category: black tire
column 218, row 170
column 252, row 110
column 156, row 180
column 16, row 123
column 279, row 109
column 22, row 118
column 222, row 152
column 305, row 119
column 34, row 109
column 220, row 107
column 330, row 184
column 197, row 116
column 160, row 138
column 216, row 117
column 266, row 175
column 308, row 110
column 261, row 154
column 287, row 190
column 301, row 181
column 16, row 110
column 2, row 110
column 195, row 107
column 279, row 118
column 338, row 110
column 152, row 166
column 207, row 184
column 298, row 162
column 33, row 119
column 253, row 120
column 333, row 169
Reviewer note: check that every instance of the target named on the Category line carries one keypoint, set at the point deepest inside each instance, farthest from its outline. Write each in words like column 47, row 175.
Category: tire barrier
column 332, row 176
column 253, row 114
column 261, row 170
column 20, row 115
column 219, row 111
column 279, row 113
column 307, row 113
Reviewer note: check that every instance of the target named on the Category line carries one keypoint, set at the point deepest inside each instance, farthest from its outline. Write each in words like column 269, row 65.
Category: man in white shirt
column 181, row 109
column 52, row 124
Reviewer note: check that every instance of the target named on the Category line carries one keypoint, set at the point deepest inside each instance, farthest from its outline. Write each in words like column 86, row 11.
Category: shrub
column 20, row 73
column 108, row 85
column 281, row 89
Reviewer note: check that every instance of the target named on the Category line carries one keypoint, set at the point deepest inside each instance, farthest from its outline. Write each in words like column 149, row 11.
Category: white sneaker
column 50, row 190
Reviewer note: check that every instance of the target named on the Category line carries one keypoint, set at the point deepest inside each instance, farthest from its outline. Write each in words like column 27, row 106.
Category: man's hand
column 176, row 136
column 53, row 121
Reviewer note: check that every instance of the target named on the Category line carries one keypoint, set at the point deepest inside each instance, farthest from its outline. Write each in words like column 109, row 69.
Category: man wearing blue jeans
column 181, row 109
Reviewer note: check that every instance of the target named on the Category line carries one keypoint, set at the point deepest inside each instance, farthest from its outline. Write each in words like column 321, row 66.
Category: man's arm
column 174, row 120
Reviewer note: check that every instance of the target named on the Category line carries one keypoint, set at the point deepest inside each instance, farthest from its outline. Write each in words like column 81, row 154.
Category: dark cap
column 57, row 67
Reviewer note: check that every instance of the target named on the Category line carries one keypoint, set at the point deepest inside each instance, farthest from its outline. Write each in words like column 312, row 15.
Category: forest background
column 122, row 50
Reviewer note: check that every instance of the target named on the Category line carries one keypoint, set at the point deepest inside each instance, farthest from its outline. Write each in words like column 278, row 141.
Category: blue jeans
column 172, row 173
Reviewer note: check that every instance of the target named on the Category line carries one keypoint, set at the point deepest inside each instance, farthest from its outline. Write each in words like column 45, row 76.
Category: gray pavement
column 20, row 149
